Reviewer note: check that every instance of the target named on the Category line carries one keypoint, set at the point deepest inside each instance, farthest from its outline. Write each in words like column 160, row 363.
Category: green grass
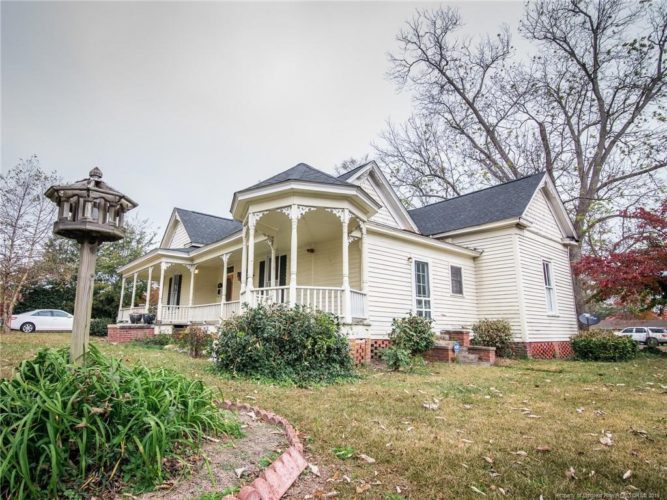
column 481, row 415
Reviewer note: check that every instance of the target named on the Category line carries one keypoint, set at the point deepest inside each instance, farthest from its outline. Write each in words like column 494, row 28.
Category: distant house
column 347, row 245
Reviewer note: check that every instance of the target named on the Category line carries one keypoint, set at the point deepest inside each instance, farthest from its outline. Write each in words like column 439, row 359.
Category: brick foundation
column 123, row 333
column 486, row 354
column 377, row 346
column 360, row 350
column 550, row 350
column 462, row 337
column 440, row 353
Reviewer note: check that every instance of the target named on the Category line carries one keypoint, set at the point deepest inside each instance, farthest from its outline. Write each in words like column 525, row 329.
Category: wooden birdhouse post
column 90, row 212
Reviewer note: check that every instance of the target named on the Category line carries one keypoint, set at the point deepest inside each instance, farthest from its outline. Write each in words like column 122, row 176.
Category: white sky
column 183, row 103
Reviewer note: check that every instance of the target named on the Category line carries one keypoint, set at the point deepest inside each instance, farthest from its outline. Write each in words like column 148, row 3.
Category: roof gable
column 300, row 172
column 202, row 229
column 493, row 204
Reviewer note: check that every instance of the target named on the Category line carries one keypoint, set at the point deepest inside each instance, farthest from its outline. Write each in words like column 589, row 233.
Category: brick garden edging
column 276, row 479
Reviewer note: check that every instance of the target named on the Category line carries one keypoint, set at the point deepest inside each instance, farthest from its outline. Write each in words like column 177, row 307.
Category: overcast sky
column 183, row 103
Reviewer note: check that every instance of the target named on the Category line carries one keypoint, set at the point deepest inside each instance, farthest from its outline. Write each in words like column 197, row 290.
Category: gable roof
column 350, row 173
column 300, row 172
column 493, row 204
column 204, row 228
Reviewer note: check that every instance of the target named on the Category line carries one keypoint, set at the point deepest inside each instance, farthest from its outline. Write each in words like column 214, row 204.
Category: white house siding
column 383, row 216
column 180, row 238
column 496, row 269
column 390, row 289
column 542, row 326
column 541, row 217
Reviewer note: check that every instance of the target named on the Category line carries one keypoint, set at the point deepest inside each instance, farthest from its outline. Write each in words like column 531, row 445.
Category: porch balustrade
column 358, row 304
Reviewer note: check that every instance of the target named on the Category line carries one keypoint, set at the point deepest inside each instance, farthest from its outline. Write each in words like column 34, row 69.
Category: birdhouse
column 90, row 209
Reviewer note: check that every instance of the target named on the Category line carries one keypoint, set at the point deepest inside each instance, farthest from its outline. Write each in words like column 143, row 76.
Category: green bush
column 596, row 345
column 281, row 343
column 195, row 339
column 493, row 333
column 396, row 358
column 159, row 340
column 104, row 424
column 98, row 326
column 412, row 334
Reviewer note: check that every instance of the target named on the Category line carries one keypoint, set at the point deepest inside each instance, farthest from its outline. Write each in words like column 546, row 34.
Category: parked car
column 42, row 319
column 649, row 335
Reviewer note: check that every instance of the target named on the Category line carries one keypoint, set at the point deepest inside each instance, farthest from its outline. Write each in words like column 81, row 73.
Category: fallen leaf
column 488, row 460
column 467, row 407
column 366, row 458
column 430, row 406
column 580, row 410
column 543, row 449
column 314, row 469
column 571, row 473
column 239, row 472
column 606, row 440
column 363, row 487
column 477, row 490
column 627, row 475
column 521, row 453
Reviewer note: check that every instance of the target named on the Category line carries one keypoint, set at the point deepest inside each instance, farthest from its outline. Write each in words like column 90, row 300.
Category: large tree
column 587, row 107
column 26, row 216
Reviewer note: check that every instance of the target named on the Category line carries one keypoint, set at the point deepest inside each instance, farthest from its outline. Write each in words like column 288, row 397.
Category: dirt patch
column 220, row 463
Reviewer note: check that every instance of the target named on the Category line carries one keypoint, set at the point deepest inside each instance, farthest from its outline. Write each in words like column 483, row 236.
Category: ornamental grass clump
column 294, row 345
column 98, row 427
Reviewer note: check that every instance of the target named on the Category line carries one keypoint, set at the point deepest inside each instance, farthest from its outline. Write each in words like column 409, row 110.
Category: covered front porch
column 306, row 255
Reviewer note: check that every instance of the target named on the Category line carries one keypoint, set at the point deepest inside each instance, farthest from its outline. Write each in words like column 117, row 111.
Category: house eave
column 506, row 223
column 424, row 240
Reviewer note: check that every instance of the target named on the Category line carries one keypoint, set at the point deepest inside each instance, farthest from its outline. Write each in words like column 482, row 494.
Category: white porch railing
column 230, row 309
column 124, row 313
column 358, row 304
column 327, row 299
column 175, row 314
column 204, row 312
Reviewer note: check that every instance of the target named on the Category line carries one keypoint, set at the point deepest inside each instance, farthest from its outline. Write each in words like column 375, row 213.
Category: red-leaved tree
column 634, row 271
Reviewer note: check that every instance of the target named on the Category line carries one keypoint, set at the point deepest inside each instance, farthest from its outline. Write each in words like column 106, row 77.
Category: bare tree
column 588, row 107
column 25, row 227
column 350, row 164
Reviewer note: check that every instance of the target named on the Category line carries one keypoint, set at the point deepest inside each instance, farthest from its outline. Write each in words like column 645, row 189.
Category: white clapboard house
column 347, row 245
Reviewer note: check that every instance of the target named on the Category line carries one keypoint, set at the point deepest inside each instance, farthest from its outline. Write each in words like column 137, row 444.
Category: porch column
column 251, row 258
column 134, row 289
column 364, row 258
column 243, row 263
column 347, row 311
column 273, row 261
column 223, row 290
column 193, row 269
column 294, row 242
column 163, row 266
column 148, row 289
column 122, row 295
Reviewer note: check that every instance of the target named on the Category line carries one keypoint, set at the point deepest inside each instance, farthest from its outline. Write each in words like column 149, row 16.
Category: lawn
column 526, row 429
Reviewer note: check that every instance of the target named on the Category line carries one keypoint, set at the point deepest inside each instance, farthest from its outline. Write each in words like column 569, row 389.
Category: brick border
column 276, row 479
column 126, row 332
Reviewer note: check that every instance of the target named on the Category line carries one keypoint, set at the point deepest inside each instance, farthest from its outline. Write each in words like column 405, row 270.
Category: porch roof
column 300, row 172
column 204, row 229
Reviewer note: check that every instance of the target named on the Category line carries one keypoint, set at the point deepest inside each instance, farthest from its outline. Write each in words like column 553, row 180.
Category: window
column 549, row 287
column 42, row 313
column 422, row 290
column 457, row 280
column 174, row 293
column 60, row 314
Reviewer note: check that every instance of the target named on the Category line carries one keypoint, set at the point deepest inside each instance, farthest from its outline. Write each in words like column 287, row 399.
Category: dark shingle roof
column 345, row 176
column 204, row 228
column 300, row 172
column 505, row 201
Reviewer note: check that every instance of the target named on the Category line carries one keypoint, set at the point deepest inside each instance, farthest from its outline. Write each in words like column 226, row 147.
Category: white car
column 649, row 335
column 42, row 319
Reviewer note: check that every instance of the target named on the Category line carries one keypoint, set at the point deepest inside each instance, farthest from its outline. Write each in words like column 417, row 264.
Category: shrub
column 412, row 334
column 281, row 343
column 494, row 333
column 195, row 339
column 160, row 340
column 102, row 425
column 596, row 345
column 98, row 326
column 396, row 358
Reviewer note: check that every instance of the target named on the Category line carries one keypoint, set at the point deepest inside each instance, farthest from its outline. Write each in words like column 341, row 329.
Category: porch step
column 467, row 359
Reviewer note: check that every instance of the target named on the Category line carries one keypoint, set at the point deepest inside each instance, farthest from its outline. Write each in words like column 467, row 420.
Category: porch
column 310, row 256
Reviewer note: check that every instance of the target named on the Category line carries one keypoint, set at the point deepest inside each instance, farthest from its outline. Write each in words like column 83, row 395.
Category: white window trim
column 451, row 282
column 554, row 311
column 414, row 283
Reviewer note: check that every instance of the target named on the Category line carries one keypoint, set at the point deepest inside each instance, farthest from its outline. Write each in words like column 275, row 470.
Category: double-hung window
column 457, row 280
column 422, row 290
column 549, row 287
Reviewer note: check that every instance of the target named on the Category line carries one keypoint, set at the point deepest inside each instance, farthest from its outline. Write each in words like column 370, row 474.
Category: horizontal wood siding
column 541, row 217
column 540, row 325
column 390, row 277
column 180, row 238
column 497, row 296
column 383, row 216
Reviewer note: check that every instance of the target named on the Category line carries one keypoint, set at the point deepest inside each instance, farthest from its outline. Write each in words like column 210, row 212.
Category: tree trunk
column 579, row 300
